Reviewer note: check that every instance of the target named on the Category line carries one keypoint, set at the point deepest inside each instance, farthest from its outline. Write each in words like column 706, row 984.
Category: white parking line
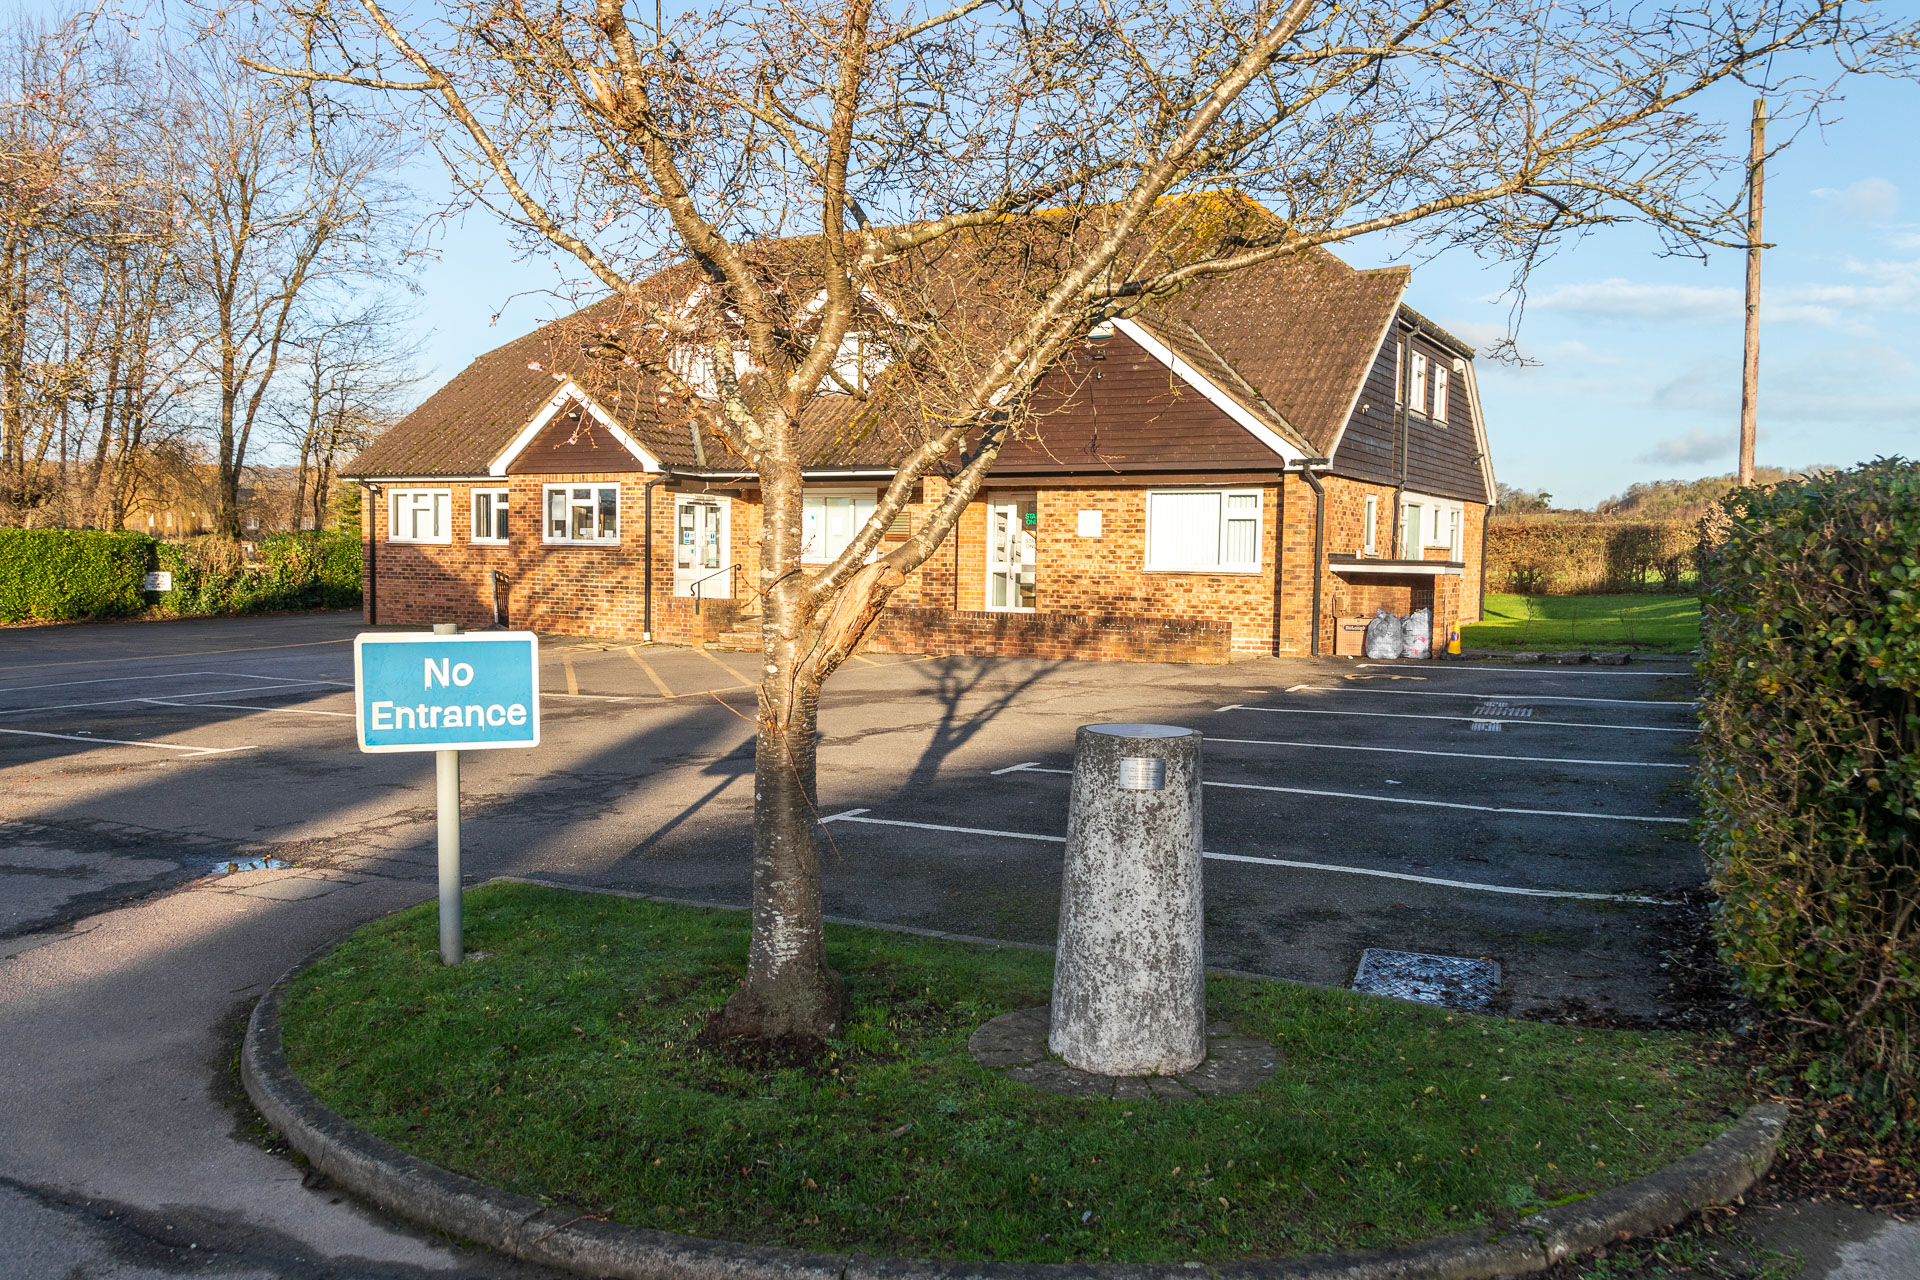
column 123, row 742
column 171, row 675
column 1538, row 671
column 1508, row 697
column 1401, row 715
column 1431, row 804
column 1415, row 751
column 855, row 815
column 235, row 706
column 205, row 693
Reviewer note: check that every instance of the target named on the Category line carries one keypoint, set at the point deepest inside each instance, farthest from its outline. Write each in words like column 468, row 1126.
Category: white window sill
column 569, row 542
column 421, row 542
column 487, row 542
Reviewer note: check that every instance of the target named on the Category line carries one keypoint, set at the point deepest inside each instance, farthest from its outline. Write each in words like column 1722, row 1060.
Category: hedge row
column 297, row 571
column 59, row 574
column 1570, row 558
column 1809, row 772
column 64, row 574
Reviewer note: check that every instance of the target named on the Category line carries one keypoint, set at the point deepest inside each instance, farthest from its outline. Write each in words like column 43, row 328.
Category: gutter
column 1320, row 541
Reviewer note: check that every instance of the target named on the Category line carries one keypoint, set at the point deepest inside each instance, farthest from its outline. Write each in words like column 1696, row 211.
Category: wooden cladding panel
column 1128, row 412
column 569, row 445
column 1440, row 457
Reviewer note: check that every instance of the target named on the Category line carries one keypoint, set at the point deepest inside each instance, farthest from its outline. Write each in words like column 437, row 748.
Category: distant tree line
column 1684, row 500
column 186, row 255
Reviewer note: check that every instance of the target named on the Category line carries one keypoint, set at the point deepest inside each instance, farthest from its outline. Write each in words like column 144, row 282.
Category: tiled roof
column 1289, row 341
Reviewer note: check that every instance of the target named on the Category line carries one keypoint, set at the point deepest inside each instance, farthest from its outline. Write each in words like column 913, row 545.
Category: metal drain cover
column 1454, row 981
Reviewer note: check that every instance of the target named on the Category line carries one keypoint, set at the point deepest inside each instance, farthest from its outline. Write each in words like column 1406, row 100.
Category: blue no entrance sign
column 420, row 692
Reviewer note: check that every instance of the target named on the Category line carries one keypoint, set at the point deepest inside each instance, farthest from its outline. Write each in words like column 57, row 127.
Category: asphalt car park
column 1536, row 816
column 184, row 814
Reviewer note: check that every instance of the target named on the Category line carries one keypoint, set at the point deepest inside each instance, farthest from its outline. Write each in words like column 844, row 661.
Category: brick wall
column 1094, row 582
column 1063, row 636
column 563, row 590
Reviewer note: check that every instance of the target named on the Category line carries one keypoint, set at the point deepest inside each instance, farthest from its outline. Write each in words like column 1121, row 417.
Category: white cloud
column 1873, row 200
column 1690, row 447
column 1621, row 299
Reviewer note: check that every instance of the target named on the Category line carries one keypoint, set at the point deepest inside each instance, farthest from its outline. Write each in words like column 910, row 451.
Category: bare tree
column 770, row 186
column 283, row 211
column 350, row 374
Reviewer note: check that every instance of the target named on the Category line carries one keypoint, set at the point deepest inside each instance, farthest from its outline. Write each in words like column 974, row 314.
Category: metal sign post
column 447, row 693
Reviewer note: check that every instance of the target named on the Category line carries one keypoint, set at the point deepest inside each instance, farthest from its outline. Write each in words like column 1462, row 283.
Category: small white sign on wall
column 1089, row 524
column 161, row 580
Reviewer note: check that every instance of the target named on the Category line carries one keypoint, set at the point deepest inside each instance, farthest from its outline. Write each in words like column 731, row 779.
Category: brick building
column 1225, row 474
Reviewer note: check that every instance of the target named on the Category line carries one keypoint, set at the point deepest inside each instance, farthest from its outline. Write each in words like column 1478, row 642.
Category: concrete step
column 742, row 637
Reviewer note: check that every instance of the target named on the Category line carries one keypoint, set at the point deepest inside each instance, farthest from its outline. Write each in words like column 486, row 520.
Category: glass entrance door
column 700, row 547
column 1012, row 536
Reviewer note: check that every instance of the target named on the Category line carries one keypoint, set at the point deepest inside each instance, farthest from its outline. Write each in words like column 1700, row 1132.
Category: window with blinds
column 1204, row 531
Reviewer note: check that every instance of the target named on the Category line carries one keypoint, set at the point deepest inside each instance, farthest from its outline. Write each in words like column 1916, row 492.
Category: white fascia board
column 1360, row 387
column 418, row 482
column 1221, row 400
column 570, row 392
column 1432, row 568
column 1480, row 433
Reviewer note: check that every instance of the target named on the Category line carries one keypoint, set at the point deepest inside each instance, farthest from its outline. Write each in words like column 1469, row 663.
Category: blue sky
column 1636, row 357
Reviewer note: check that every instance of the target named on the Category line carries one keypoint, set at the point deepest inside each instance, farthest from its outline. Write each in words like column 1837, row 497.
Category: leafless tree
column 284, row 210
column 770, row 185
column 350, row 374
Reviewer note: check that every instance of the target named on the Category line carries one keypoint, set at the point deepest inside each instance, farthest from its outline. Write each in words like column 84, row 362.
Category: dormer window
column 1442, row 376
column 1418, row 395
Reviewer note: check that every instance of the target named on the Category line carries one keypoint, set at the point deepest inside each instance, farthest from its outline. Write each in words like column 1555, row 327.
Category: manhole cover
column 1454, row 981
column 227, row 866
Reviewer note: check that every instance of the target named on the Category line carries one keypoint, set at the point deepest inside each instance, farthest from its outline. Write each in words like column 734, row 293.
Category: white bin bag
column 1383, row 635
column 1416, row 634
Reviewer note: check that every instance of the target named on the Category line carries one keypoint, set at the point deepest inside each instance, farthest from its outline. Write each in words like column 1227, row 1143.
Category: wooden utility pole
column 1750, row 375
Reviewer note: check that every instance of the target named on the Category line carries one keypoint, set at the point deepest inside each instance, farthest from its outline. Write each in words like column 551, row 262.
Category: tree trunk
column 790, row 992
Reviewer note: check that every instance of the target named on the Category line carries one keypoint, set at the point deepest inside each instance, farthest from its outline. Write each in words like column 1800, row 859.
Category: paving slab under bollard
column 1129, row 981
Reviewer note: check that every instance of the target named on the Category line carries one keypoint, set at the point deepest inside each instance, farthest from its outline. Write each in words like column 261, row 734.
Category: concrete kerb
column 1718, row 1173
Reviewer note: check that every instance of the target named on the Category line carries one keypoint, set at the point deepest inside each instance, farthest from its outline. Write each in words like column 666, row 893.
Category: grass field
column 1658, row 624
column 567, row 1064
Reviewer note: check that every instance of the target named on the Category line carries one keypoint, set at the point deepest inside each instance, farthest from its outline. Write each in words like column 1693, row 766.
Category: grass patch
column 1658, row 624
column 564, row 1065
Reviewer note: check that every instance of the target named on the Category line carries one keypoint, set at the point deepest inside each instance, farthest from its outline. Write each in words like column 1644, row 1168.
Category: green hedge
column 313, row 570
column 1810, row 759
column 1590, row 557
column 64, row 574
column 58, row 574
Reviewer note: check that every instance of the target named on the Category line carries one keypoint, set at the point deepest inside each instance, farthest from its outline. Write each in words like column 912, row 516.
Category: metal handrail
column 700, row 582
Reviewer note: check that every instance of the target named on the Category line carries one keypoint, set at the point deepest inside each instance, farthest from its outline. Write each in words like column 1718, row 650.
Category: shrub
column 311, row 570
column 60, row 574
column 1810, row 757
column 1582, row 557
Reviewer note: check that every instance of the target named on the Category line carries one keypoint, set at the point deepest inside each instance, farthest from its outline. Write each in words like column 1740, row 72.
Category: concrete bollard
column 1129, row 993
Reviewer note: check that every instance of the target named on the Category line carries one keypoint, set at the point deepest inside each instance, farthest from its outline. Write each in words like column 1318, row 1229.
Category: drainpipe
column 646, row 557
column 1319, row 541
column 1406, row 410
column 373, row 556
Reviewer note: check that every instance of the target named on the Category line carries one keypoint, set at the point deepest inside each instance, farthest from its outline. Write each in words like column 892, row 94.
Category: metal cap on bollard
column 1129, row 994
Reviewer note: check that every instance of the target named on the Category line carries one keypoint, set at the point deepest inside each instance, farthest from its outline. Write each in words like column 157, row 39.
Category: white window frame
column 1420, row 380
column 1442, row 380
column 438, row 501
column 861, row 501
column 500, row 504
column 595, row 488
column 1370, row 527
column 1259, row 532
column 1443, row 523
